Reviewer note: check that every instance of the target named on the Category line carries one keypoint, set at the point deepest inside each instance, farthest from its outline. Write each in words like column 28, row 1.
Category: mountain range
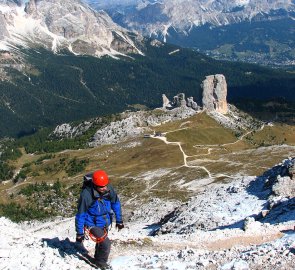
column 59, row 25
column 156, row 17
column 253, row 31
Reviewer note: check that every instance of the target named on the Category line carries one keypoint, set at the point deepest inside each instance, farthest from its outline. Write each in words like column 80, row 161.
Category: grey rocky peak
column 153, row 17
column 64, row 24
column 214, row 93
column 180, row 101
column 213, row 100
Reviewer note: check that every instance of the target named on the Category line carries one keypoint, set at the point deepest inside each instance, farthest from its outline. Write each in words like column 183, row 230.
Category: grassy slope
column 201, row 130
column 152, row 168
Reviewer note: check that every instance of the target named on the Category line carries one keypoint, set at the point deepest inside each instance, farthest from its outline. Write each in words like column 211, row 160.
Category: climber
column 97, row 203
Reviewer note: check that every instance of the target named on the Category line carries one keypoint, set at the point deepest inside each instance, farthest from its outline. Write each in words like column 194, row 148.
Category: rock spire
column 214, row 93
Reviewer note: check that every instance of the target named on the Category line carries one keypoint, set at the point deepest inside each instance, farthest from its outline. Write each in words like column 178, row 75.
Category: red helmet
column 100, row 178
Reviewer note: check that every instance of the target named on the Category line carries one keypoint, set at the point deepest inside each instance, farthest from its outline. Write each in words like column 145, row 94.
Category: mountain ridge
column 182, row 15
column 59, row 24
column 204, row 26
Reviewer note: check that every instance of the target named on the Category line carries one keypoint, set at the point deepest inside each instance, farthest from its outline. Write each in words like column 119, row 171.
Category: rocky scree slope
column 267, row 198
column 240, row 219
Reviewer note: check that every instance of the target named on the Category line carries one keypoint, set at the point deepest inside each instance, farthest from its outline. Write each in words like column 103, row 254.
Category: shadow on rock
column 259, row 187
column 281, row 212
column 153, row 228
column 68, row 248
column 262, row 186
column 276, row 186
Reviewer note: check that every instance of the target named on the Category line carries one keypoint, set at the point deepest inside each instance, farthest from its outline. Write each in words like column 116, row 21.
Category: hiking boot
column 103, row 266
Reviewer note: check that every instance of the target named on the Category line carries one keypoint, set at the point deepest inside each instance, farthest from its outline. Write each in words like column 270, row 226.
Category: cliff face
column 214, row 93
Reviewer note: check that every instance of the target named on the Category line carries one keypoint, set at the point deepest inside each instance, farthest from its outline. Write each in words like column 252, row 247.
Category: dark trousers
column 102, row 249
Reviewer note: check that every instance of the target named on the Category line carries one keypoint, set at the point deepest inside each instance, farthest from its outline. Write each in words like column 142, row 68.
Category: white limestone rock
column 166, row 102
column 67, row 130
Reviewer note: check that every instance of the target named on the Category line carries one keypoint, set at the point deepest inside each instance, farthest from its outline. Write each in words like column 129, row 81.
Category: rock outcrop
column 133, row 124
column 166, row 102
column 180, row 101
column 214, row 96
column 214, row 93
column 67, row 130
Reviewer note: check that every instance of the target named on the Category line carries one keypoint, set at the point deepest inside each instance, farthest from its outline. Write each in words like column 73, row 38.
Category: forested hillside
column 56, row 88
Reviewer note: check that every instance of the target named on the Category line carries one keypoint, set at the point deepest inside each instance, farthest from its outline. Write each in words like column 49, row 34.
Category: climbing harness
column 94, row 238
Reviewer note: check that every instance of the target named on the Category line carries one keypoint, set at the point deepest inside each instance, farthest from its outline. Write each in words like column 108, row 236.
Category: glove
column 80, row 238
column 119, row 225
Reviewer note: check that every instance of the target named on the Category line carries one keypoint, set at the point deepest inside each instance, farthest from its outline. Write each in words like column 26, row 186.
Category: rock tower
column 214, row 93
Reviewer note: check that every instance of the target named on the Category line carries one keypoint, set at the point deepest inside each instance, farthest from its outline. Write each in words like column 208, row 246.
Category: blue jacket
column 95, row 209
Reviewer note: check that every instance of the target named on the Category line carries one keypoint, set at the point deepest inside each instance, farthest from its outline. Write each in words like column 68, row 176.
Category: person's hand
column 119, row 225
column 80, row 238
